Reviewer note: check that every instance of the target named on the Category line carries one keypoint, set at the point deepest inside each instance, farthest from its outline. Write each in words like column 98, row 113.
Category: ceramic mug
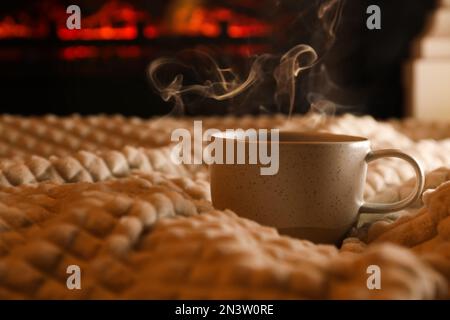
column 317, row 193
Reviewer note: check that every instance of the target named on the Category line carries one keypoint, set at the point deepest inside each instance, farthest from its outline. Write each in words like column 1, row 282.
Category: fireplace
column 121, row 22
column 104, row 63
column 47, row 68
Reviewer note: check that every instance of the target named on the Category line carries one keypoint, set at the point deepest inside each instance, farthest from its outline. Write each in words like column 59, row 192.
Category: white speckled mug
column 317, row 193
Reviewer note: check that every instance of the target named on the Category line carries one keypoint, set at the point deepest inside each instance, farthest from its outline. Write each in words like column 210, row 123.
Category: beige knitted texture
column 426, row 232
column 44, row 229
column 51, row 135
column 57, row 141
column 102, row 192
column 85, row 166
column 147, row 236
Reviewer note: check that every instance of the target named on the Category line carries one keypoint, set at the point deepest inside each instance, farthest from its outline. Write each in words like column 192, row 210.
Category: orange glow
column 129, row 52
column 200, row 21
column 102, row 33
column 210, row 30
column 250, row 30
column 118, row 20
column 246, row 50
column 101, row 25
column 89, row 52
column 79, row 52
column 151, row 32
column 223, row 14
column 10, row 28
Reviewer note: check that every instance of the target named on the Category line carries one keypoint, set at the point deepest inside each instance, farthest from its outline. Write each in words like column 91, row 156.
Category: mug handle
column 413, row 196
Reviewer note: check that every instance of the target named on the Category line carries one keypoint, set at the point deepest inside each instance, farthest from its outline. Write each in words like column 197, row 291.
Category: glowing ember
column 73, row 53
column 207, row 22
column 121, row 21
column 248, row 30
column 79, row 52
column 101, row 33
column 10, row 28
column 114, row 21
column 151, row 32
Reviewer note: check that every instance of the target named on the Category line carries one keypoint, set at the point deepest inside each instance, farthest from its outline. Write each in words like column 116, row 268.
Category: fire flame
column 117, row 20
column 102, row 24
column 10, row 28
column 194, row 20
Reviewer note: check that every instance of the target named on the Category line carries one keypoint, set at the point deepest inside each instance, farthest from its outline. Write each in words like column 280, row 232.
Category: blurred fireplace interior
column 47, row 68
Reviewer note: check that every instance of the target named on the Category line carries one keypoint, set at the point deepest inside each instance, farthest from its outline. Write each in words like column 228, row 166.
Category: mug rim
column 338, row 138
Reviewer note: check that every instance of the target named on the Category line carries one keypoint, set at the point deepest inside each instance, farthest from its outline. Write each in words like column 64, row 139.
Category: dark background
column 364, row 66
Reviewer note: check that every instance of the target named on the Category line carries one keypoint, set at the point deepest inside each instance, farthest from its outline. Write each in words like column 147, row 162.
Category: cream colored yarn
column 101, row 192
column 57, row 140
column 146, row 236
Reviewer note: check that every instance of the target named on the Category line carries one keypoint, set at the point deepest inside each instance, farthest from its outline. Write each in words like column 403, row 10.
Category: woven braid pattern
column 101, row 192
column 85, row 166
column 49, row 148
column 147, row 236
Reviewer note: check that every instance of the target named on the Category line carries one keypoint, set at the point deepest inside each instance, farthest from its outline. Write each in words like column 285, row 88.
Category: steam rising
column 330, row 13
column 171, row 77
column 289, row 68
column 222, row 84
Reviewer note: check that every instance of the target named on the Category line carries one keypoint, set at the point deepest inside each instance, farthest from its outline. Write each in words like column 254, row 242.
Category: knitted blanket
column 101, row 193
